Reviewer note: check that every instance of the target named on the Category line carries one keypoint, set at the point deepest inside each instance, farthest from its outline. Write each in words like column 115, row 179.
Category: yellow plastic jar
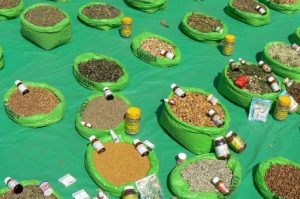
column 133, row 120
column 229, row 43
column 126, row 29
column 282, row 107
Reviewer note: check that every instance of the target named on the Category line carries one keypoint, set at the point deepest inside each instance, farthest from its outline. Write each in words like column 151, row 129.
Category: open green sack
column 297, row 36
column 259, row 178
column 38, row 120
column 197, row 139
column 1, row 58
column 149, row 6
column 30, row 183
column 247, row 17
column 10, row 13
column 47, row 37
column 151, row 59
column 102, row 24
column 201, row 36
column 113, row 86
column 103, row 183
column 181, row 188
column 279, row 68
column 239, row 96
column 87, row 132
column 284, row 8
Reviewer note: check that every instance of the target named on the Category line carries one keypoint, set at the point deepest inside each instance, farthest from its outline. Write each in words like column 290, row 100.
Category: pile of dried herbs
column 283, row 53
column 247, row 5
column 204, row 23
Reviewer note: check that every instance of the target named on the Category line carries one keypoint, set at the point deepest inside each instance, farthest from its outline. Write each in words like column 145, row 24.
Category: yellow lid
column 127, row 20
column 285, row 100
column 134, row 113
column 230, row 38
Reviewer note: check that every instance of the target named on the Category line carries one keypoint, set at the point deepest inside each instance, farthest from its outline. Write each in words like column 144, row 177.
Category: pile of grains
column 204, row 23
column 100, row 70
column 247, row 5
column 121, row 163
column 294, row 90
column 29, row 192
column 283, row 53
column 154, row 46
column 37, row 101
column 284, row 180
column 101, row 12
column 9, row 3
column 105, row 114
column 258, row 78
column 194, row 108
column 284, row 1
column 44, row 16
column 199, row 174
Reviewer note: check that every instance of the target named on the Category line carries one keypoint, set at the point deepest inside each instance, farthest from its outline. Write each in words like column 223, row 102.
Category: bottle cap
column 211, row 112
column 162, row 51
column 127, row 20
column 111, row 131
column 182, row 156
column 285, row 100
column 229, row 134
column 261, row 62
column 149, row 144
column 173, row 85
column 128, row 188
column 257, row 7
column 271, row 79
column 105, row 88
column 17, row 82
column 231, row 60
column 209, row 97
column 82, row 123
column 219, row 138
column 135, row 141
column 215, row 180
column 240, row 59
column 7, row 179
column 166, row 99
column 134, row 113
column 230, row 38
column 92, row 137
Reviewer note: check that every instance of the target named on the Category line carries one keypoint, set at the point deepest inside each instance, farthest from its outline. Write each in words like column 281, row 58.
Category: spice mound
column 285, row 54
column 294, row 90
column 100, row 70
column 121, row 163
column 154, row 46
column 200, row 173
column 194, row 108
column 284, row 180
column 9, row 3
column 101, row 12
column 204, row 23
column 32, row 192
column 37, row 101
column 103, row 113
column 247, row 5
column 284, row 1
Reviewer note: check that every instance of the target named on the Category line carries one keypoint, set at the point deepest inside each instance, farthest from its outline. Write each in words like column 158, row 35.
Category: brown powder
column 101, row 12
column 121, row 163
column 9, row 3
column 154, row 46
column 29, row 192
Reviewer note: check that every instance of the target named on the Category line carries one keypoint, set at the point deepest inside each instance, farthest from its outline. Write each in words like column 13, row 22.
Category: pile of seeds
column 194, row 108
column 9, row 3
column 100, row 70
column 154, row 46
column 121, row 163
column 284, row 180
column 247, row 5
column 199, row 174
column 105, row 114
column 204, row 23
column 37, row 101
column 294, row 90
column 101, row 12
column 258, row 78
column 284, row 1
column 44, row 16
column 32, row 192
column 283, row 53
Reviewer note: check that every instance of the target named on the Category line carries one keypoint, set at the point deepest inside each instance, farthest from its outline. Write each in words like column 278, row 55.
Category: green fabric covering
column 102, row 182
column 284, row 8
column 181, row 188
column 87, row 132
column 10, row 13
column 149, row 58
column 38, row 120
column 30, row 183
column 47, row 37
column 61, row 1
column 239, row 96
column 297, row 36
column 149, row 6
column 197, row 139
column 260, row 173
column 1, row 58
column 102, row 24
column 280, row 68
column 247, row 17
column 114, row 86
column 201, row 36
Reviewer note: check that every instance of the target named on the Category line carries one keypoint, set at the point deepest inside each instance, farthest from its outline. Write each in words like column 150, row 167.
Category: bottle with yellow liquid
column 133, row 120
column 228, row 47
column 126, row 29
column 282, row 107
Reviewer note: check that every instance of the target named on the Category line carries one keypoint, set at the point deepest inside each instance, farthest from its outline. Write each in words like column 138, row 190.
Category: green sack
column 149, row 58
column 263, row 167
column 1, row 58
column 197, row 139
column 10, row 13
column 87, row 132
column 47, row 37
column 102, row 182
column 181, row 188
column 102, row 24
column 201, row 36
column 247, row 17
column 87, row 83
column 149, row 6
column 29, row 183
column 297, row 36
column 38, row 120
column 284, row 8
column 239, row 96
column 279, row 68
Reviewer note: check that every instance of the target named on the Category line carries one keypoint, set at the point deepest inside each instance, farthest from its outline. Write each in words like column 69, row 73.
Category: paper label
column 98, row 146
column 222, row 150
column 67, row 180
column 142, row 149
column 81, row 194
column 22, row 88
column 179, row 92
column 12, row 183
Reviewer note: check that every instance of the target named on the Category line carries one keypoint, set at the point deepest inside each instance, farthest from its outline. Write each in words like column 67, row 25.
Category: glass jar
column 282, row 107
column 126, row 29
column 228, row 47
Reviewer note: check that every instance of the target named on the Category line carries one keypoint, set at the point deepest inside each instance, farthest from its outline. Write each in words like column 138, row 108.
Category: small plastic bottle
column 229, row 43
column 129, row 193
column 133, row 120
column 221, row 148
column 235, row 142
column 86, row 124
column 287, row 82
column 126, row 29
column 220, row 186
column 181, row 157
column 242, row 61
column 261, row 10
column 178, row 91
column 219, row 29
column 295, row 47
column 215, row 117
column 274, row 84
column 140, row 147
column 169, row 101
column 108, row 94
column 233, row 66
column 114, row 136
column 21, row 87
column 150, row 146
column 212, row 99
column 167, row 54
column 13, row 185
column 98, row 146
column 265, row 67
column 282, row 107
column 46, row 188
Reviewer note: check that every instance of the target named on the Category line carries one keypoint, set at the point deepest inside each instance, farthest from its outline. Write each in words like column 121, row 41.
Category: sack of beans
column 249, row 11
column 202, row 27
column 35, row 105
column 278, row 177
column 156, row 50
column 95, row 71
column 10, row 9
column 189, row 123
column 149, row 6
column 101, row 15
column 297, row 36
column 120, row 164
column 193, row 178
column 283, row 58
column 284, row 6
column 97, row 115
column 1, row 58
column 46, row 25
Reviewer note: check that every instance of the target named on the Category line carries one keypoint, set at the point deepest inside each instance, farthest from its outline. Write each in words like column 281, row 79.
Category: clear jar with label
column 126, row 29
column 282, row 107
column 228, row 47
column 133, row 120
column 221, row 148
column 13, row 185
column 235, row 142
column 140, row 147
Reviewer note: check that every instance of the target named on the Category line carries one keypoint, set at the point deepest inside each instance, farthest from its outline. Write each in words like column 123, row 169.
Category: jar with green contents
column 126, row 29
column 282, row 107
column 129, row 193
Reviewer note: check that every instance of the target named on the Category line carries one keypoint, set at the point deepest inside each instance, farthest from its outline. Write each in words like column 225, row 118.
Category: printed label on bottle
column 107, row 92
column 142, row 149
column 222, row 151
column 126, row 32
column 170, row 55
column 12, row 183
column 22, row 88
column 237, row 143
column 217, row 120
column 213, row 100
column 223, row 189
column 275, row 87
column 228, row 50
column 132, row 126
column 98, row 146
column 281, row 115
column 262, row 11
column 179, row 92
column 46, row 188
